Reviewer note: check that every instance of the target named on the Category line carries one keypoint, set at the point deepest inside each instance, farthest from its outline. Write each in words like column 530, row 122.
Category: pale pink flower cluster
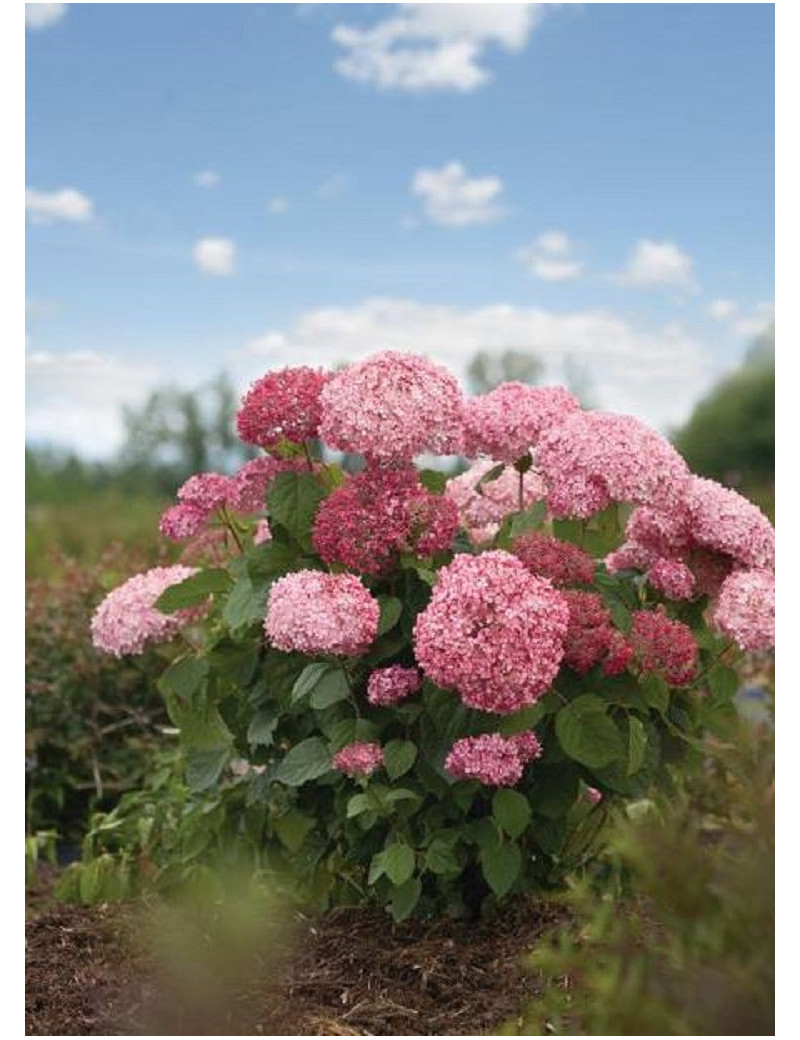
column 361, row 758
column 482, row 509
column 745, row 609
column 672, row 578
column 723, row 520
column 592, row 459
column 491, row 758
column 392, row 684
column 492, row 631
column 508, row 421
column 126, row 622
column 392, row 406
column 262, row 533
column 317, row 613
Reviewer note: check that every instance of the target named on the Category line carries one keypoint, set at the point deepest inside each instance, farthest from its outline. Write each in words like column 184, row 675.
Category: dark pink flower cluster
column 361, row 758
column 591, row 637
column 491, row 758
column 671, row 578
column 390, row 685
column 482, row 507
column 492, row 631
column 378, row 514
column 745, row 609
column 126, row 622
column 508, row 421
column 592, row 459
column 248, row 490
column 562, row 562
column 317, row 613
column 282, row 406
column 663, row 645
column 393, row 406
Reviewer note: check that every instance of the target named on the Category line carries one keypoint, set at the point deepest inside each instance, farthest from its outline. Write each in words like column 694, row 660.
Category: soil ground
column 350, row 972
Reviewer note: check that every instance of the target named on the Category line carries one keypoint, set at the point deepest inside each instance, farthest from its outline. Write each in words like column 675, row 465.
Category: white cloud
column 658, row 264
column 550, row 257
column 655, row 373
column 76, row 398
column 424, row 47
column 40, row 16
column 334, row 187
column 278, row 205
column 44, row 207
column 215, row 256
column 721, row 310
column 755, row 320
column 207, row 179
column 452, row 198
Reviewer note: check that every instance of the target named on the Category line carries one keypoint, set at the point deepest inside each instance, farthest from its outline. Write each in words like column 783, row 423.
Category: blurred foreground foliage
column 680, row 938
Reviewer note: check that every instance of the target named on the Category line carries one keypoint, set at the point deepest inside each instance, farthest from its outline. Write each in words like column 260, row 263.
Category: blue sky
column 243, row 186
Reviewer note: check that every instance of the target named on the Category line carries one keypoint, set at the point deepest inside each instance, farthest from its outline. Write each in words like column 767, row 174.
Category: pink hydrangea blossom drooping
column 126, row 622
column 382, row 511
column 592, row 459
column 663, row 645
column 745, row 609
column 562, row 562
column 392, row 684
column 492, row 631
column 491, row 758
column 508, row 421
column 317, row 613
column 393, row 406
column 282, row 406
column 482, row 507
column 361, row 758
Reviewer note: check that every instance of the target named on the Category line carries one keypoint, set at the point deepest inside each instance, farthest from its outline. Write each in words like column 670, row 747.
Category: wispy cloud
column 45, row 207
column 334, row 187
column 207, row 179
column 657, row 265
column 453, row 198
column 551, row 257
column 41, row 16
column 278, row 205
column 215, row 256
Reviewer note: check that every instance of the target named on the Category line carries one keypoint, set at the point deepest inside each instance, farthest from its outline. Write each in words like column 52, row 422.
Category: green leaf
column 587, row 734
column 292, row 828
column 308, row 679
column 512, row 811
column 399, row 757
column 325, row 683
column 655, row 690
column 555, row 790
column 490, row 476
column 359, row 803
column 404, row 898
column 204, row 766
column 723, row 683
column 184, row 678
column 501, row 864
column 637, row 744
column 433, row 480
column 440, row 857
column 306, row 761
column 391, row 608
column 398, row 862
column 293, row 500
column 569, row 531
column 246, row 604
column 262, row 728
column 193, row 590
column 528, row 520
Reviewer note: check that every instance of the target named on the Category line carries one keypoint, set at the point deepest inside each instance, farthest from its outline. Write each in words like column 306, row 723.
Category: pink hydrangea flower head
column 663, row 533
column 663, row 645
column 126, row 622
column 379, row 513
column 361, row 758
column 282, row 406
column 619, row 656
column 483, row 507
column 205, row 492
column 492, row 631
column 392, row 684
column 182, row 521
column 262, row 533
column 672, row 578
column 592, row 459
column 393, row 406
column 630, row 556
column 710, row 569
column 590, row 634
column 549, row 557
column 528, row 746
column 745, row 609
column 317, row 613
column 723, row 520
column 508, row 421
column 250, row 482
column 490, row 758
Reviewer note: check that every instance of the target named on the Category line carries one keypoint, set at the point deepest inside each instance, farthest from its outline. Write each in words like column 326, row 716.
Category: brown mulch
column 350, row 972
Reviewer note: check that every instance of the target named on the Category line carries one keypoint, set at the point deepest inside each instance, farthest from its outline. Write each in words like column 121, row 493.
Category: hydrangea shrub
column 426, row 691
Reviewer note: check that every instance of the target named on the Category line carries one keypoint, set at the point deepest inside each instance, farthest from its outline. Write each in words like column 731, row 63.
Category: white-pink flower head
column 392, row 406
column 392, row 684
column 491, row 758
column 126, row 622
column 492, row 631
column 745, row 609
column 723, row 520
column 482, row 509
column 508, row 421
column 592, row 459
column 317, row 613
